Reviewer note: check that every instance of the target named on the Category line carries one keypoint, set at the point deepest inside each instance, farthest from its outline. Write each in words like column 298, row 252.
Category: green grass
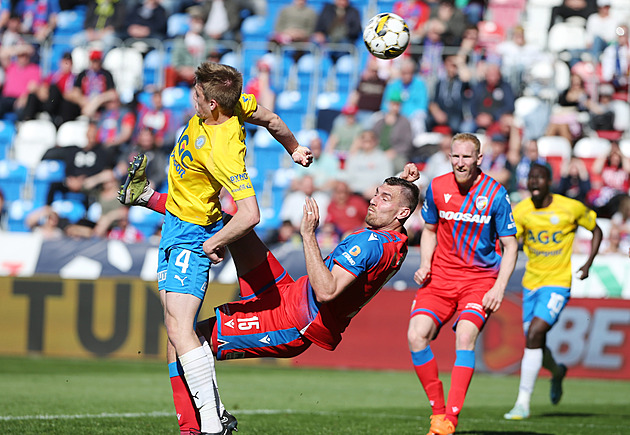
column 55, row 396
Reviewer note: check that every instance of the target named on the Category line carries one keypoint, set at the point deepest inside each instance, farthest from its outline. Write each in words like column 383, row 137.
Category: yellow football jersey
column 206, row 158
column 547, row 235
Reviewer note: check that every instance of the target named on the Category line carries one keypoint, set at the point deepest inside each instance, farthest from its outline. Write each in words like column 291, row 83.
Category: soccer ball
column 386, row 35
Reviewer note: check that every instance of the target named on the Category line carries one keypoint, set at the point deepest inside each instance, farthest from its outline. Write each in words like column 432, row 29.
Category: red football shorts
column 440, row 299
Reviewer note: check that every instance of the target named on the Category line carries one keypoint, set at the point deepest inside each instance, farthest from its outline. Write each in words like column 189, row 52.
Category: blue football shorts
column 545, row 303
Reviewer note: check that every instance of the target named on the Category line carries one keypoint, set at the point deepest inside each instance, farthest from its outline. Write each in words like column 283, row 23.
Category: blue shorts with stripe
column 545, row 303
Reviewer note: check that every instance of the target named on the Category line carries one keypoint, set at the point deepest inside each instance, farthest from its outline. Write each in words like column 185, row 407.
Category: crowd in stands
column 472, row 66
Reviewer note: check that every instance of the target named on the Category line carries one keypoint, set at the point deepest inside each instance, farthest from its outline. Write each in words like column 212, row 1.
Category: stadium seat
column 45, row 173
column 525, row 105
column 32, row 140
column 18, row 210
column 70, row 22
column 154, row 63
column 622, row 115
column 588, row 149
column 80, row 59
column 13, row 178
column 73, row 133
column 176, row 98
column 177, row 24
column 7, row 133
column 566, row 36
column 145, row 220
column 624, row 146
column 256, row 28
column 127, row 66
column 556, row 150
column 72, row 210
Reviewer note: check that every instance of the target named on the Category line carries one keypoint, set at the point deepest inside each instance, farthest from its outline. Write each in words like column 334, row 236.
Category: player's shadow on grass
column 502, row 432
column 568, row 414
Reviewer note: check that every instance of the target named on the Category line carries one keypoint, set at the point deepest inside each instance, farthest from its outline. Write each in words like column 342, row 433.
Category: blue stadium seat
column 70, row 209
column 13, row 178
column 18, row 210
column 256, row 28
column 70, row 22
column 177, row 98
column 145, row 220
column 7, row 133
column 47, row 172
column 177, row 24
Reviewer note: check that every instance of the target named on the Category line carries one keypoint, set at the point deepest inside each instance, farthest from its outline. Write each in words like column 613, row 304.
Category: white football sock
column 208, row 350
column 198, row 371
column 530, row 366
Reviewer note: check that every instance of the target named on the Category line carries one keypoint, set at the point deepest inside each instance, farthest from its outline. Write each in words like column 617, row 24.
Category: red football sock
column 157, row 202
column 187, row 415
column 426, row 368
column 460, row 380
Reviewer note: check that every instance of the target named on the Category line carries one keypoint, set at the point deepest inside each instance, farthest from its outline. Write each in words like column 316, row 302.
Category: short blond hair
column 221, row 83
column 468, row 137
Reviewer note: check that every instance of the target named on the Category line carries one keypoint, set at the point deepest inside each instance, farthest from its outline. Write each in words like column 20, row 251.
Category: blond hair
column 468, row 137
column 221, row 83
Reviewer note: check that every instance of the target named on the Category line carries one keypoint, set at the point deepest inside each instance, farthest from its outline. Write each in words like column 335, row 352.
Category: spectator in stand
column 51, row 96
column 394, row 133
column 338, row 23
column 38, row 18
column 438, row 164
column 517, row 57
column 620, row 223
column 260, row 85
column 615, row 60
column 446, row 108
column 472, row 52
column 495, row 162
column 575, row 181
column 602, row 111
column 415, row 13
column 491, row 98
column 21, row 76
column 159, row 119
column 600, row 29
column 368, row 95
column 572, row 8
column 104, row 20
column 432, row 48
column 346, row 210
column 414, row 94
column 45, row 222
column 295, row 23
column 189, row 51
column 12, row 35
column 564, row 119
column 116, row 125
column 344, row 132
column 454, row 20
column 324, row 168
column 521, row 161
column 292, row 205
column 3, row 213
column 147, row 19
column 94, row 86
column 223, row 20
column 366, row 164
column 614, row 170
column 285, row 233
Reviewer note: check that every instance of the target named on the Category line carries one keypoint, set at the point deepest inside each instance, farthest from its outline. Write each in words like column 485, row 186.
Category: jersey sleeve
column 518, row 213
column 586, row 217
column 247, row 105
column 358, row 252
column 429, row 209
column 503, row 216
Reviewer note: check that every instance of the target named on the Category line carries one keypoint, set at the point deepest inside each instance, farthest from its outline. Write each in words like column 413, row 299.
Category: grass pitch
column 55, row 396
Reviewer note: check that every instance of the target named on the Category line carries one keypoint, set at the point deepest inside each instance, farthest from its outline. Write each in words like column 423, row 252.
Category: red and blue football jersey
column 468, row 226
column 373, row 257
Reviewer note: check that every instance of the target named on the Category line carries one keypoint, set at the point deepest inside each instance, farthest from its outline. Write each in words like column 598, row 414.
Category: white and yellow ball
column 386, row 35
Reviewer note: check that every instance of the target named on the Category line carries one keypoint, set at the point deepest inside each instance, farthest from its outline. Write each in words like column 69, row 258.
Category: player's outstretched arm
column 280, row 132
column 595, row 242
column 428, row 242
column 326, row 284
column 493, row 298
